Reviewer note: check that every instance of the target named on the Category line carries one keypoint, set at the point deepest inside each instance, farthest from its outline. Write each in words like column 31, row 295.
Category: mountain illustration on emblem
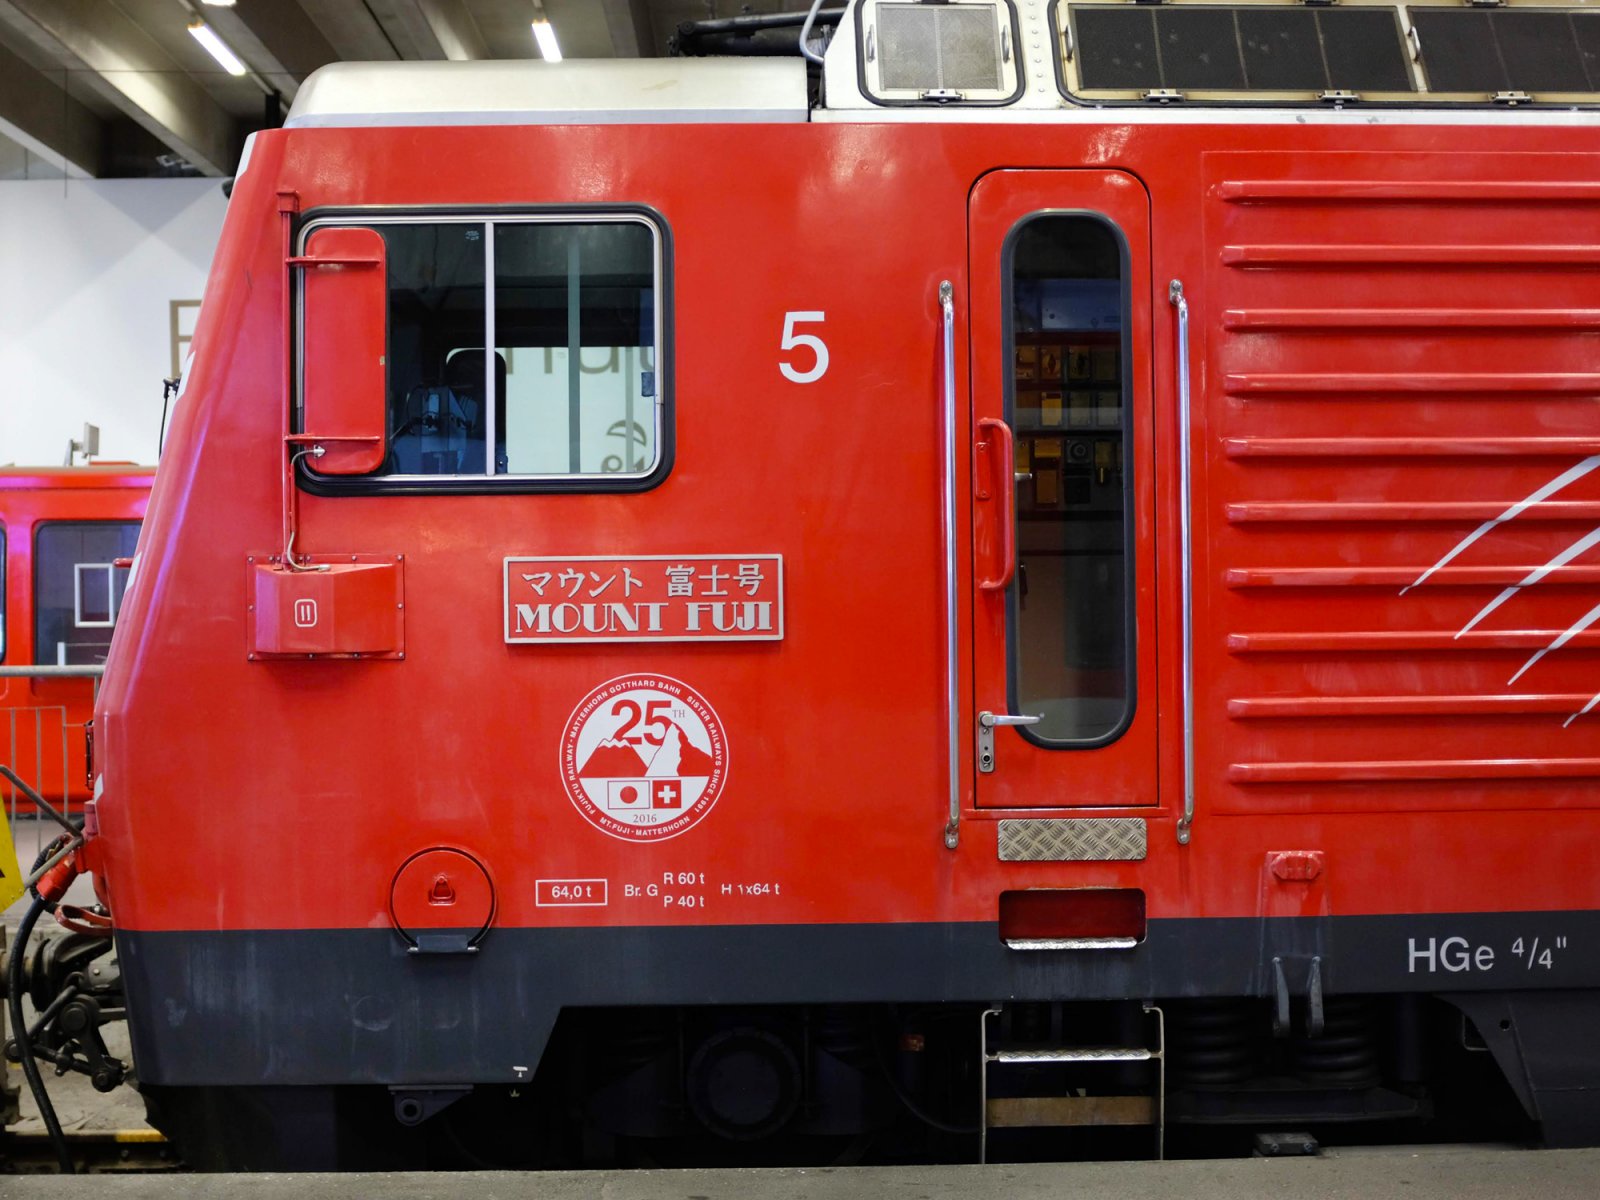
column 676, row 758
column 613, row 759
column 679, row 757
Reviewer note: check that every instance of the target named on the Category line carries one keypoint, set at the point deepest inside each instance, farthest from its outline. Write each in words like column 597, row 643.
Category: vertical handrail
column 11, row 793
column 983, row 1084
column 952, row 672
column 288, row 206
column 1186, row 535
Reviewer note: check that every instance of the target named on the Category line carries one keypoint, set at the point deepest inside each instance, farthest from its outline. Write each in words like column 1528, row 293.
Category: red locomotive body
column 662, row 689
column 62, row 530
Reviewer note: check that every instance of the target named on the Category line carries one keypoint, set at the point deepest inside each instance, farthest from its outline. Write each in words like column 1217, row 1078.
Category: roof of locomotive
column 1034, row 68
column 514, row 92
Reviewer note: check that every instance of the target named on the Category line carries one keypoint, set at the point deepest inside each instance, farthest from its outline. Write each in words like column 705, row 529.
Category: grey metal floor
column 1425, row 1174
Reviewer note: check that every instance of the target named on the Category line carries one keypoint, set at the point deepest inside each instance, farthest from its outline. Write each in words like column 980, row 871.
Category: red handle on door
column 1005, row 488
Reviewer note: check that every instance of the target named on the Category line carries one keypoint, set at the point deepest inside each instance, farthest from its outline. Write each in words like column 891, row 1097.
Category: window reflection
column 1069, row 411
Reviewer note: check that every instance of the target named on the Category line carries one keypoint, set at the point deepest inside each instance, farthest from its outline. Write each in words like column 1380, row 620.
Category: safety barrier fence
column 37, row 741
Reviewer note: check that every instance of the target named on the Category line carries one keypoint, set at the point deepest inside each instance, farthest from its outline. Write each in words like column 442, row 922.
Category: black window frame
column 33, row 596
column 1129, row 536
column 309, row 481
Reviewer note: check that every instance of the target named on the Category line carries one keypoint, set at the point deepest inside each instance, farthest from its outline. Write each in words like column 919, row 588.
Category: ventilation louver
column 919, row 53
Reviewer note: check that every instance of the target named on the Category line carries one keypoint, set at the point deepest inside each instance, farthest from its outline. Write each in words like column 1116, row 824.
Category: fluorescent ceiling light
column 544, row 33
column 226, row 58
column 219, row 3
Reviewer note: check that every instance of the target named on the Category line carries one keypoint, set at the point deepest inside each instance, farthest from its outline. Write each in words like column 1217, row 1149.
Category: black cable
column 30, row 1066
column 915, row 1109
column 169, row 389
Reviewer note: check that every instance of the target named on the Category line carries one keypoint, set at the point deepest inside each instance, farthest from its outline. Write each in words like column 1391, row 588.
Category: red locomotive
column 63, row 531
column 1042, row 602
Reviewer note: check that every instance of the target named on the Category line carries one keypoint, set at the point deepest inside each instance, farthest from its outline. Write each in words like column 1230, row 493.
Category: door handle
column 989, row 720
column 1006, row 489
column 986, row 727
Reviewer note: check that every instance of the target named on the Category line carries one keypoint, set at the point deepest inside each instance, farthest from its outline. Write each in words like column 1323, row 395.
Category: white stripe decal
column 1588, row 619
column 1580, row 712
column 1516, row 510
column 1588, row 540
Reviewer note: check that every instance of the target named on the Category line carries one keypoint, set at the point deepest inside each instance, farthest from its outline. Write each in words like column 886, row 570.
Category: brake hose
column 24, row 1044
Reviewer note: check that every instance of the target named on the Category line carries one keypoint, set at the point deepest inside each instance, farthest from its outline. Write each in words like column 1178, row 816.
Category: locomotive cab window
column 520, row 350
column 77, row 588
column 1071, row 635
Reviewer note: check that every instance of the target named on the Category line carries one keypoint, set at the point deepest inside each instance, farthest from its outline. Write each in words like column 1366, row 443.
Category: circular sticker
column 644, row 757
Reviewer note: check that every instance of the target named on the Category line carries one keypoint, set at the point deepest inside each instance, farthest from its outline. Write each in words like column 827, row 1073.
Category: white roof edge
column 575, row 92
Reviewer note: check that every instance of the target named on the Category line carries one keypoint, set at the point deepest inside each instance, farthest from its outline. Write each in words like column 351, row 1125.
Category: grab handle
column 1006, row 493
column 1186, row 562
column 952, row 630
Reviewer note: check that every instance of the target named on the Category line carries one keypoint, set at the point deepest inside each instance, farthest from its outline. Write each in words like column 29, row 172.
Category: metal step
column 1094, row 1054
column 1047, row 1112
column 1038, row 1112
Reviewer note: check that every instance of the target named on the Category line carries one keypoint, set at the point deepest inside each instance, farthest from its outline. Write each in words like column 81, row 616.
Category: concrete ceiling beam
column 632, row 33
column 38, row 113
column 276, row 37
column 97, row 43
column 430, row 29
column 597, row 28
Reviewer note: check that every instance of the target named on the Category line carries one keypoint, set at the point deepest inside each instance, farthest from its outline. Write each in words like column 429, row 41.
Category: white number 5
column 791, row 339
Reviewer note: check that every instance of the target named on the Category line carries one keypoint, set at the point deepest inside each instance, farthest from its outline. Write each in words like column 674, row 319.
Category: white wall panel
column 89, row 271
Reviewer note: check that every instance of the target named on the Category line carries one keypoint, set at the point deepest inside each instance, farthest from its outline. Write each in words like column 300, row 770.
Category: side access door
column 1064, row 615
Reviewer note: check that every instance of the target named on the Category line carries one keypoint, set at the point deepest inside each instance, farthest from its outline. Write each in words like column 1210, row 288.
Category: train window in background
column 1071, row 629
column 77, row 588
column 570, row 393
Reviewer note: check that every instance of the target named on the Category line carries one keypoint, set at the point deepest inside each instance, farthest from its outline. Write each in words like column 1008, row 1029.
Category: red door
column 1064, row 629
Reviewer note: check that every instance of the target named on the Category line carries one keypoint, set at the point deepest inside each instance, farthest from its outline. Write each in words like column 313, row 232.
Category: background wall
column 90, row 271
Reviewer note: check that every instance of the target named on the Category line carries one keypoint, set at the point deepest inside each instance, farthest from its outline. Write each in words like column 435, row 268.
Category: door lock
column 986, row 723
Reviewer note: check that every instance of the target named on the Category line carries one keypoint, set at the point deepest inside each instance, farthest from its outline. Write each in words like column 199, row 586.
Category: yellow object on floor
column 10, row 870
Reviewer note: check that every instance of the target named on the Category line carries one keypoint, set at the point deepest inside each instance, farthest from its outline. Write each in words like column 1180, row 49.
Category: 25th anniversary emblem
column 644, row 757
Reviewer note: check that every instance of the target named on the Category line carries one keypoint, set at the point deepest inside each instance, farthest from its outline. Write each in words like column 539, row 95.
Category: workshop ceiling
column 97, row 88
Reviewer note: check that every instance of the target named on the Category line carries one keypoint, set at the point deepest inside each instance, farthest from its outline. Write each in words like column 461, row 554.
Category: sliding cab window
column 78, row 588
column 1072, row 636
column 523, row 353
